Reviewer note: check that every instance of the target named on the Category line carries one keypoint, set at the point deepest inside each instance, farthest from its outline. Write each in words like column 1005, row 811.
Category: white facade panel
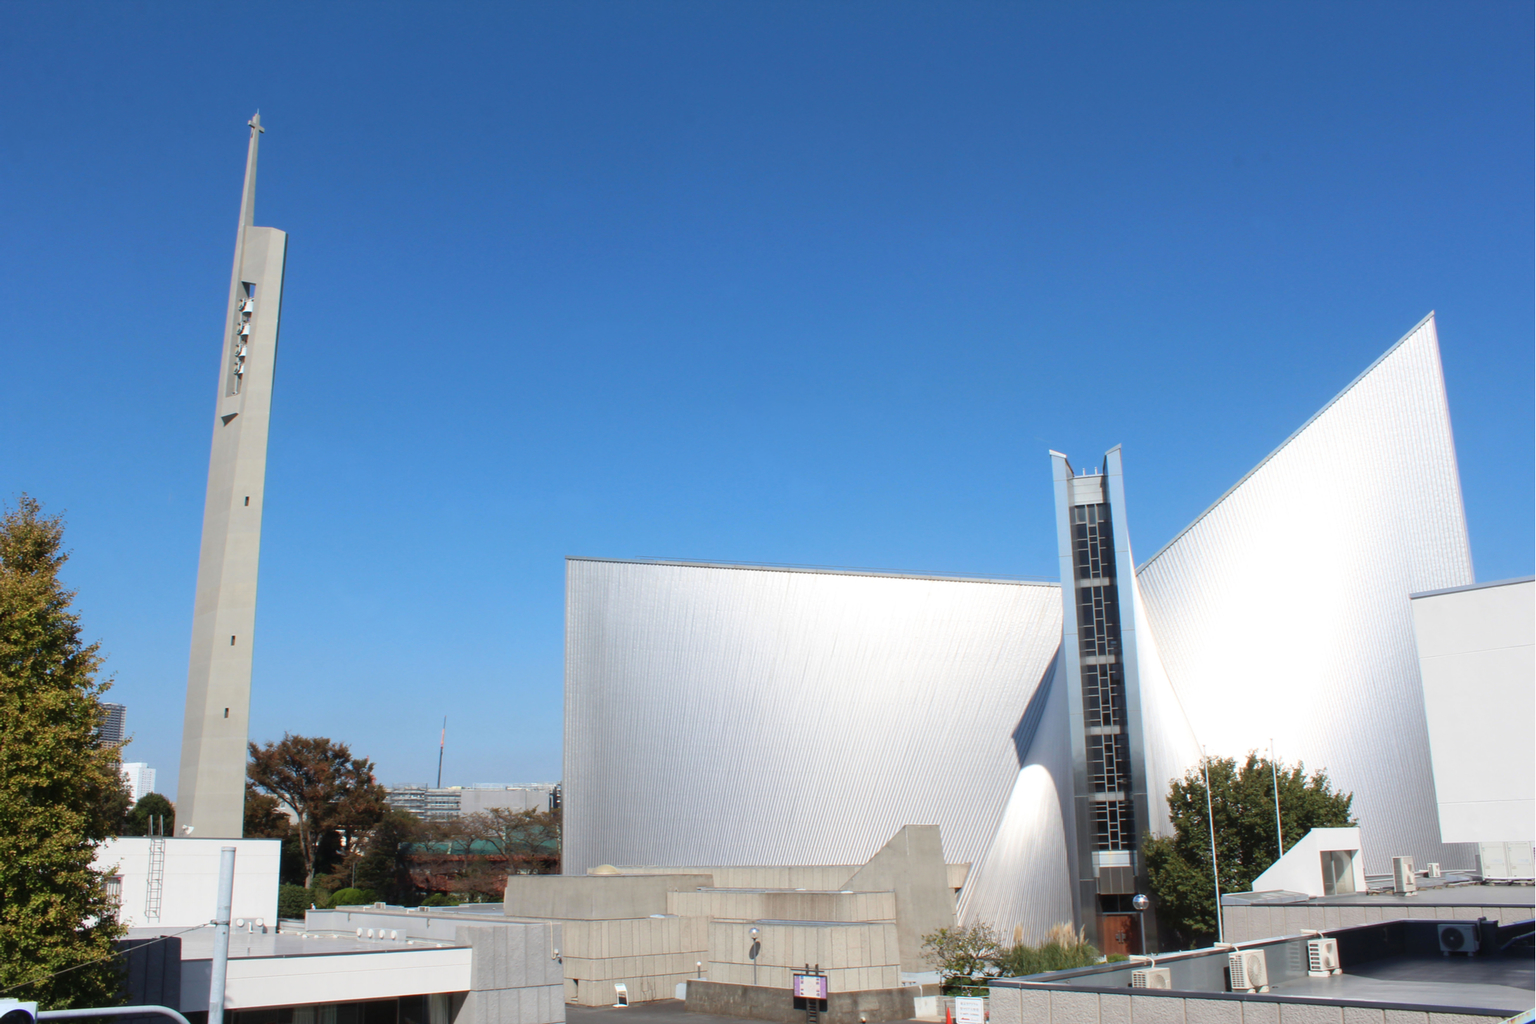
column 190, row 879
column 1283, row 611
column 1477, row 658
column 746, row 715
column 1025, row 878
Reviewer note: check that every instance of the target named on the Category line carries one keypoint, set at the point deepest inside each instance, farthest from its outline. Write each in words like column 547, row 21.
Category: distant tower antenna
column 441, row 741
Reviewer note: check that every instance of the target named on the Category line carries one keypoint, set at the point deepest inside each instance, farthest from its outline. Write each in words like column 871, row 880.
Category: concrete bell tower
column 211, row 789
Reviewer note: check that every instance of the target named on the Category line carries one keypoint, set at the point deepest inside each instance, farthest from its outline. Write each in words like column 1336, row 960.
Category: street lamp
column 1141, row 903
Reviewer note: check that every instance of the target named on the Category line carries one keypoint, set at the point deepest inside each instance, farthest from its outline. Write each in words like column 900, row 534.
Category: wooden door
column 1119, row 933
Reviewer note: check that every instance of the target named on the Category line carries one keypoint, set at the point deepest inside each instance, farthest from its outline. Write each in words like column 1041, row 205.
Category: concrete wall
column 753, row 905
column 740, row 1001
column 594, row 897
column 856, row 956
column 191, row 880
column 1053, row 1006
column 912, row 865
column 650, row 955
column 1249, row 924
column 515, row 976
column 769, row 876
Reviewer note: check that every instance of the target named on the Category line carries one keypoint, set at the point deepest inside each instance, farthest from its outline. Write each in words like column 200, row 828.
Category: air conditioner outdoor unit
column 1152, row 977
column 1458, row 938
column 1248, row 971
column 15, row 1012
column 1323, row 958
column 1403, row 880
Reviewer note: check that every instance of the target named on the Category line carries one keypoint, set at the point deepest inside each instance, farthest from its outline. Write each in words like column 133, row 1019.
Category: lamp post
column 752, row 954
column 1141, row 903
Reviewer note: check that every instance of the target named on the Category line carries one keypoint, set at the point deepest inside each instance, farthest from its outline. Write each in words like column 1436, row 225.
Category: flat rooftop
column 1393, row 965
column 1507, row 984
column 197, row 944
column 1454, row 893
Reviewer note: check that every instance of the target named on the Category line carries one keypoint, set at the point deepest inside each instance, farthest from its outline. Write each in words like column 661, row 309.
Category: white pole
column 1210, row 825
column 221, row 935
column 1275, row 778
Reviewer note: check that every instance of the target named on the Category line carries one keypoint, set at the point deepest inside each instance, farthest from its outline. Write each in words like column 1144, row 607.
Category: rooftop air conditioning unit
column 15, row 1012
column 1403, row 880
column 1152, row 977
column 1323, row 958
column 1248, row 971
column 1458, row 938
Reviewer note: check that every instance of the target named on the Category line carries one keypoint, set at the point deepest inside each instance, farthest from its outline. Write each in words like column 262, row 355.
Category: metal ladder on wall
column 155, row 886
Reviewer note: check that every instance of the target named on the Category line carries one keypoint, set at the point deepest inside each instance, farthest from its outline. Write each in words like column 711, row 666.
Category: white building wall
column 140, row 778
column 514, row 798
column 1477, row 659
column 1282, row 612
column 1301, row 869
column 746, row 715
column 191, row 879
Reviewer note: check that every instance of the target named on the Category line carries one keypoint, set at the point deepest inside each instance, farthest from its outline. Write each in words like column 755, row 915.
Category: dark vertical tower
column 1109, row 785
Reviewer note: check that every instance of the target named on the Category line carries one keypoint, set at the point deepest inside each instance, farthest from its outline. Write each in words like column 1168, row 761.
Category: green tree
column 1243, row 806
column 57, row 925
column 114, row 805
column 963, row 955
column 327, row 789
column 152, row 815
column 384, row 865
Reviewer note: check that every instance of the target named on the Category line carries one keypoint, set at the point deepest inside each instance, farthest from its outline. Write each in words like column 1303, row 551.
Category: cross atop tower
column 255, row 123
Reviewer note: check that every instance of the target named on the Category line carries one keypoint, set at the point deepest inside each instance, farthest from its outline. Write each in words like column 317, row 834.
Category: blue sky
column 770, row 282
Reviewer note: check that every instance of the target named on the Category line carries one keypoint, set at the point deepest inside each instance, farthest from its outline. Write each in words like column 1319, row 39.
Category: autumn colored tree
column 528, row 841
column 57, row 784
column 327, row 789
column 1243, row 808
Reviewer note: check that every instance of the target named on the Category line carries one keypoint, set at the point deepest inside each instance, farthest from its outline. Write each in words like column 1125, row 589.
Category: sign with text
column 810, row 986
column 970, row 1010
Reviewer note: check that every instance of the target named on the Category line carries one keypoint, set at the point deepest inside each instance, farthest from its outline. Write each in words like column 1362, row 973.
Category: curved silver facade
column 752, row 715
column 744, row 715
column 1282, row 612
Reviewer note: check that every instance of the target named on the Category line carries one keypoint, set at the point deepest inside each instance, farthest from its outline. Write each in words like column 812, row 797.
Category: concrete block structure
column 651, row 928
column 856, row 955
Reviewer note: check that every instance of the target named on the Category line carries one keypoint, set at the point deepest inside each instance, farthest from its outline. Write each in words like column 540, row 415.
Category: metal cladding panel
column 1025, row 878
column 1283, row 611
column 746, row 715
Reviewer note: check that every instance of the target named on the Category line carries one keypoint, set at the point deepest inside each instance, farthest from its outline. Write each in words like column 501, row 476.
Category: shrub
column 1063, row 949
column 442, row 899
column 293, row 900
column 350, row 897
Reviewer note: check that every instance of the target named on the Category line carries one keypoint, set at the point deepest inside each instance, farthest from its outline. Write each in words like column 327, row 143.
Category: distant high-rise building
column 140, row 778
column 213, row 739
column 113, row 722
column 449, row 802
